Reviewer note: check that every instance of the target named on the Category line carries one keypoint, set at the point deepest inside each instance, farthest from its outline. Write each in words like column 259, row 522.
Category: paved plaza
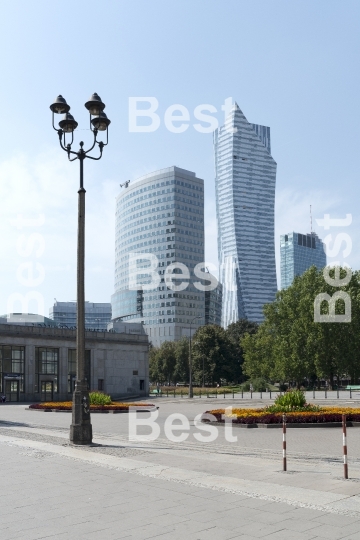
column 148, row 489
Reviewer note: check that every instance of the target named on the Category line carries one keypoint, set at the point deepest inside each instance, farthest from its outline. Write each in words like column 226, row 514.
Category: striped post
column 251, row 393
column 284, row 443
column 346, row 476
column 314, row 392
column 270, row 393
column 350, row 393
column 242, row 393
column 325, row 392
column 337, row 392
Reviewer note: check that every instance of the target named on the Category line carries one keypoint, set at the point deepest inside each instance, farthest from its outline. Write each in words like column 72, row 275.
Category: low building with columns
column 38, row 363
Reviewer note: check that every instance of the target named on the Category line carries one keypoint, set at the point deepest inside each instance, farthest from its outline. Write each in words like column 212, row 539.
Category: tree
column 162, row 362
column 155, row 369
column 181, row 371
column 291, row 345
column 236, row 331
column 337, row 344
column 168, row 359
column 259, row 354
column 212, row 350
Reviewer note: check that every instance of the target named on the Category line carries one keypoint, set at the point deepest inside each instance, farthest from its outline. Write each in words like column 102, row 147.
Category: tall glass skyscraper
column 160, row 215
column 245, row 176
column 297, row 253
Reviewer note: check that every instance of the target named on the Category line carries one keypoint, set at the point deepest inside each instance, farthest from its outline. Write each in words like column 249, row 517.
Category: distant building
column 159, row 221
column 213, row 305
column 245, row 176
column 298, row 252
column 97, row 315
column 26, row 319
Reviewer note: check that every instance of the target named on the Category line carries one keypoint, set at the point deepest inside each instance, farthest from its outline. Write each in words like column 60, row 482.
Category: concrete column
column 63, row 373
column 29, row 372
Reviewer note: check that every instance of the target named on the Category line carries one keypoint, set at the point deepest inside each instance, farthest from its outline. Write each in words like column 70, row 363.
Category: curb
column 147, row 409
column 288, row 425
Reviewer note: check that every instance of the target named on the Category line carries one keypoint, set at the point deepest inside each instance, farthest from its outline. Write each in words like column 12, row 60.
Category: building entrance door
column 47, row 390
column 12, row 390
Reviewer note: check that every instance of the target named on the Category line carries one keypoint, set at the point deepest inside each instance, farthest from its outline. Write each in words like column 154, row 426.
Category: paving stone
column 53, row 496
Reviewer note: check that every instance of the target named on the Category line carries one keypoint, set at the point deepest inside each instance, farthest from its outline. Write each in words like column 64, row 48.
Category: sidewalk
column 145, row 490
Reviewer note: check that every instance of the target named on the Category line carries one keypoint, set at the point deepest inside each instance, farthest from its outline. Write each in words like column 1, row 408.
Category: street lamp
column 81, row 429
column 191, row 392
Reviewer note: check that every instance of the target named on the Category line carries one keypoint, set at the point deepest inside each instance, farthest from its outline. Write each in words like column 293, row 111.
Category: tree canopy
column 292, row 344
column 216, row 355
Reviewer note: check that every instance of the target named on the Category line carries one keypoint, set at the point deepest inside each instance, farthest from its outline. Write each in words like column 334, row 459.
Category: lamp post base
column 81, row 428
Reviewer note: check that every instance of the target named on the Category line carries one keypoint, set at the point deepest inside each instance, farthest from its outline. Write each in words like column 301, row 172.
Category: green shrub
column 292, row 400
column 259, row 385
column 98, row 398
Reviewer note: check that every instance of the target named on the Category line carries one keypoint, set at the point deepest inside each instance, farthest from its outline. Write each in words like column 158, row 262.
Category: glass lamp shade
column 101, row 122
column 68, row 123
column 60, row 106
column 95, row 106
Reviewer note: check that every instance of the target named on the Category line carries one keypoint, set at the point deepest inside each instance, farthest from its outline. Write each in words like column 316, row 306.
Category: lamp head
column 60, row 106
column 68, row 124
column 95, row 106
column 101, row 122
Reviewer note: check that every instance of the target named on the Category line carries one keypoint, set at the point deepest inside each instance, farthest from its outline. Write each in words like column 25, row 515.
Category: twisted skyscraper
column 245, row 176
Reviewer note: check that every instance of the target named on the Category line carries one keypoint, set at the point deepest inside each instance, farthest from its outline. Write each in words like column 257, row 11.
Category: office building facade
column 38, row 363
column 298, row 252
column 213, row 305
column 245, row 176
column 159, row 221
column 97, row 315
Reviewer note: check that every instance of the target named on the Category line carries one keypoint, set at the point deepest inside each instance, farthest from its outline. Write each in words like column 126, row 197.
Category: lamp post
column 191, row 392
column 81, row 429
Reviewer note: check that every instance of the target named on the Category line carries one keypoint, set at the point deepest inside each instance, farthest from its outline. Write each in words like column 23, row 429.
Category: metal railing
column 262, row 395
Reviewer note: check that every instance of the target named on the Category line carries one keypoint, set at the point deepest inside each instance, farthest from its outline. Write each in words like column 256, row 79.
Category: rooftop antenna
column 125, row 184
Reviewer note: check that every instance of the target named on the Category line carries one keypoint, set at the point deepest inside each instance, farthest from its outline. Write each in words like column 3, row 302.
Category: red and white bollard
column 346, row 475
column 284, row 442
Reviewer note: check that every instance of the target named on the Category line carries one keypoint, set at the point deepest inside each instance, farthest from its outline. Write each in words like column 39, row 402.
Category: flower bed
column 262, row 416
column 67, row 406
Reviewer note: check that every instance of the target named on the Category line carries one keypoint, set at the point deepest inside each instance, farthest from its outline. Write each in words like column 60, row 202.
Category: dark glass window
column 300, row 239
column 313, row 245
column 46, row 363
column 286, row 238
column 308, row 241
column 12, row 363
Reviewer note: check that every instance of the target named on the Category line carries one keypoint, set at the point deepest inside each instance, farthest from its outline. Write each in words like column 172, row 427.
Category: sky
column 292, row 66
